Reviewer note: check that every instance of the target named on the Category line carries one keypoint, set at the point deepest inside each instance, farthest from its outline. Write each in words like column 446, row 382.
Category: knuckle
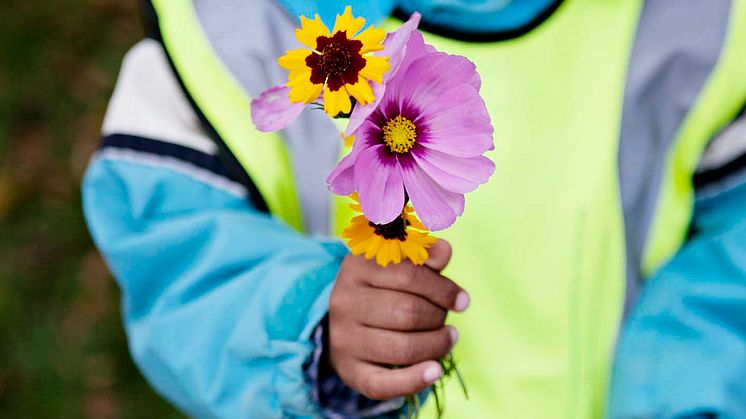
column 336, row 339
column 341, row 337
column 404, row 350
column 337, row 302
column 353, row 268
column 406, row 275
column 407, row 312
column 370, row 388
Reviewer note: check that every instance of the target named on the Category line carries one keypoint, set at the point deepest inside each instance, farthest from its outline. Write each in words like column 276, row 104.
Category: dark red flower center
column 337, row 61
column 396, row 229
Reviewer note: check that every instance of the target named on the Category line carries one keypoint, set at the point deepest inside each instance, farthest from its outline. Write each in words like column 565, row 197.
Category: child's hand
column 392, row 316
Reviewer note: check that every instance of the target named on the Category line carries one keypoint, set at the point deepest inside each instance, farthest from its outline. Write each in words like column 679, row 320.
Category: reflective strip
column 148, row 101
column 675, row 51
column 226, row 106
column 719, row 102
column 248, row 36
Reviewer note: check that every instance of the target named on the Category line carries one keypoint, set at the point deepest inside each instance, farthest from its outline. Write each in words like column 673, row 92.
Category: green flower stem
column 413, row 406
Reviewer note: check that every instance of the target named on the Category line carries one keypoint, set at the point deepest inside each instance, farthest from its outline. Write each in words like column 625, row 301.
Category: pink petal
column 361, row 112
column 457, row 123
column 436, row 207
column 396, row 44
column 379, row 185
column 368, row 135
column 273, row 110
column 341, row 181
column 455, row 174
column 475, row 81
column 428, row 76
column 402, row 47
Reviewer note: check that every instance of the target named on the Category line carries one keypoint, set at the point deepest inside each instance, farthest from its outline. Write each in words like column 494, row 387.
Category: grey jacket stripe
column 674, row 53
column 249, row 36
column 727, row 146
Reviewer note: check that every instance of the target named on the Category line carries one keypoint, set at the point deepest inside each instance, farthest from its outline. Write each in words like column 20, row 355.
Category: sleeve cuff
column 335, row 399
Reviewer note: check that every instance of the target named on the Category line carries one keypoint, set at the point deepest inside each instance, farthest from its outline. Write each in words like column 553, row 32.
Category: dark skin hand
column 380, row 317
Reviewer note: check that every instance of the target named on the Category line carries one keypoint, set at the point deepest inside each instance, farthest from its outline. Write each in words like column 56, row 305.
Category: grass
column 63, row 353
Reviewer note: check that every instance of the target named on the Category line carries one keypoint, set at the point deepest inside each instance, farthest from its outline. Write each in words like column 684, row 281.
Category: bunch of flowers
column 418, row 126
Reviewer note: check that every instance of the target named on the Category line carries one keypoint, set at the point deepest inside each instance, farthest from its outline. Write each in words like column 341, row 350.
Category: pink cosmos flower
column 424, row 141
column 273, row 110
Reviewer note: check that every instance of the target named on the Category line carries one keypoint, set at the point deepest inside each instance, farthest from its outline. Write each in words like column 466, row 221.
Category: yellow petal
column 358, row 237
column 415, row 223
column 357, row 223
column 372, row 39
column 411, row 251
column 375, row 67
column 396, row 252
column 361, row 91
column 373, row 247
column 383, row 257
column 302, row 73
column 294, row 59
column 422, row 255
column 314, row 93
column 310, row 30
column 359, row 249
column 361, row 242
column 336, row 102
column 302, row 90
column 422, row 239
column 346, row 22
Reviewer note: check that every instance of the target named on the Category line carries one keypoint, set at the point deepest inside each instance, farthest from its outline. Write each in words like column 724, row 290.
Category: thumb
column 439, row 254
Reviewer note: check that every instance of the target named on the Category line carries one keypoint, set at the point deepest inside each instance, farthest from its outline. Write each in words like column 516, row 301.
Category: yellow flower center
column 399, row 134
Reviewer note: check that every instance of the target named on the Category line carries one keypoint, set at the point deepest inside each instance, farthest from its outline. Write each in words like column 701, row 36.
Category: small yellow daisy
column 337, row 63
column 403, row 238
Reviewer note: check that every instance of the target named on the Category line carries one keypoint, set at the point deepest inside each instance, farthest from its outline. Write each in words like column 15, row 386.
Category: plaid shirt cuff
column 336, row 399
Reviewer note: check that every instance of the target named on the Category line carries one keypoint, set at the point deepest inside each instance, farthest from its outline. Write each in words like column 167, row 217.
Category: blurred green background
column 63, row 353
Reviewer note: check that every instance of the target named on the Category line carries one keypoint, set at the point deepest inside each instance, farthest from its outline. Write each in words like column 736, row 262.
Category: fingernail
column 432, row 373
column 462, row 301
column 454, row 335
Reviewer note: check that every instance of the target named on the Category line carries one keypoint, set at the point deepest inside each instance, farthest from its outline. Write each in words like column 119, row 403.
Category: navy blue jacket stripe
column 161, row 148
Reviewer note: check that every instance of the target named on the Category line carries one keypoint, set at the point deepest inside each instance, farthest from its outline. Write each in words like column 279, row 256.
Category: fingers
column 379, row 383
column 439, row 255
column 399, row 311
column 389, row 347
column 421, row 281
column 392, row 316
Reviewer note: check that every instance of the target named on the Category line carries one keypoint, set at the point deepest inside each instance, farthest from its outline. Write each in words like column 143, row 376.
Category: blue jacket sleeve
column 682, row 353
column 219, row 300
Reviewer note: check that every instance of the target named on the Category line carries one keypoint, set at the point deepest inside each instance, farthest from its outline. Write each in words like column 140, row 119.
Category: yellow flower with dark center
column 403, row 238
column 338, row 63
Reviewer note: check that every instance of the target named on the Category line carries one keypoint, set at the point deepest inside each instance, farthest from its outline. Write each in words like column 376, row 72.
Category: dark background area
column 63, row 353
